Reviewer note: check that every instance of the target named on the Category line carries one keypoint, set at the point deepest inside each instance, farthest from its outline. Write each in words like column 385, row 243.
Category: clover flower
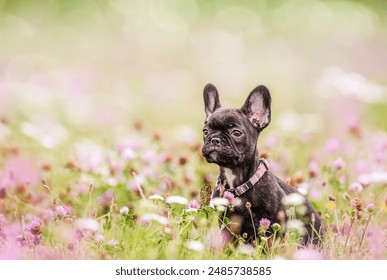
column 124, row 210
column 293, row 199
column 60, row 212
column 338, row 163
column 35, row 227
column 156, row 197
column 194, row 204
column 219, row 203
column 196, row 246
column 176, row 199
column 264, row 223
column 355, row 187
column 88, row 226
column 229, row 196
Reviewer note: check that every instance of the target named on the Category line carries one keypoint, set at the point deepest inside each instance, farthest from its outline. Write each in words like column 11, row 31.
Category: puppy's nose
column 215, row 141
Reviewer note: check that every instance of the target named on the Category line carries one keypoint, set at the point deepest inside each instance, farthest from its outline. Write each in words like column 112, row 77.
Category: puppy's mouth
column 222, row 156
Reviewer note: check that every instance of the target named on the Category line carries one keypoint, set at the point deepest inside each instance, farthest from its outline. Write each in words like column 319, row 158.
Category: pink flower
column 216, row 240
column 99, row 238
column 332, row 145
column 3, row 236
column 19, row 171
column 194, row 204
column 264, row 223
column 338, row 163
column 229, row 196
column 314, row 169
column 35, row 227
column 60, row 212
column 308, row 254
column 29, row 239
column 124, row 210
column 106, row 198
column 2, row 220
column 355, row 187
column 113, row 243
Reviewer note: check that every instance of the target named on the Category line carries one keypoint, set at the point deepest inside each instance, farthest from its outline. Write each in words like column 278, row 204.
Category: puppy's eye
column 236, row 133
column 205, row 131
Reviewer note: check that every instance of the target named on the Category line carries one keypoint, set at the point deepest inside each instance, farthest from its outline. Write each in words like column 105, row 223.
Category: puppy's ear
column 257, row 107
column 211, row 99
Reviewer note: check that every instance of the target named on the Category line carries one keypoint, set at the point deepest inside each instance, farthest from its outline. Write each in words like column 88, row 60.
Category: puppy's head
column 230, row 134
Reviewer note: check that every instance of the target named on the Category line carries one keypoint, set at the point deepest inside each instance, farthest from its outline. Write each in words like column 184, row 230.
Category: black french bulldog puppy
column 230, row 140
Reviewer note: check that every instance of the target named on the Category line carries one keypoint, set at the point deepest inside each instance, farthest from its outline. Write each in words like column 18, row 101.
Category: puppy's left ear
column 257, row 107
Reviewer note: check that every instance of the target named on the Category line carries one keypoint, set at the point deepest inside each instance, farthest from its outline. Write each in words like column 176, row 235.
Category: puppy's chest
column 230, row 178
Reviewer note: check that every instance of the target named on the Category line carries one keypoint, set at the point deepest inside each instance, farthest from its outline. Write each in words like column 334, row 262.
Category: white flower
column 191, row 210
column 156, row 197
column 337, row 81
column 195, row 245
column 373, row 178
column 112, row 182
column 246, row 249
column 176, row 199
column 296, row 225
column 128, row 154
column 154, row 217
column 88, row 224
column 218, row 201
column 48, row 134
column 293, row 199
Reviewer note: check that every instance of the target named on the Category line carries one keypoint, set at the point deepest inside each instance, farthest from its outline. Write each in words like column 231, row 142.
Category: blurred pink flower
column 332, row 145
column 113, row 243
column 352, row 121
column 60, row 212
column 360, row 166
column 35, row 227
column 28, row 239
column 106, row 198
column 308, row 254
column 82, row 188
column 315, row 194
column 355, row 187
column 149, row 157
column 11, row 251
column 194, row 204
column 376, row 243
column 124, row 210
column 99, row 238
column 135, row 183
column 314, row 169
column 2, row 220
column 373, row 178
column 229, row 196
column 87, row 227
column 20, row 171
column 216, row 241
column 338, row 163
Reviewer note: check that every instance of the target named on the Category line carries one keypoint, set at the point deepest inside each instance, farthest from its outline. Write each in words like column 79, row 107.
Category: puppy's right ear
column 211, row 99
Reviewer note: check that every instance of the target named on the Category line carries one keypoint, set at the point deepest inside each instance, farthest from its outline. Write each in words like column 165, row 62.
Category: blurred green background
column 93, row 66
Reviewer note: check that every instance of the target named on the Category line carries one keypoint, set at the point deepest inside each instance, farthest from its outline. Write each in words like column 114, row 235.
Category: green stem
column 350, row 229
column 365, row 229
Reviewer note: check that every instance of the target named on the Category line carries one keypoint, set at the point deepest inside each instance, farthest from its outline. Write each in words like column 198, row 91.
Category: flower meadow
column 100, row 127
